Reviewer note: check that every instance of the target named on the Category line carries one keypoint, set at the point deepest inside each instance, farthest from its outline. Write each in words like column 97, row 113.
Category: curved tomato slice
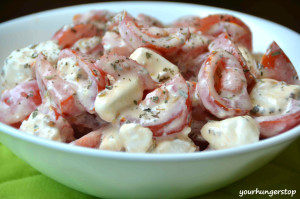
column 61, row 92
column 223, row 41
column 165, row 110
column 88, row 81
column 235, row 27
column 276, row 65
column 276, row 124
column 222, row 85
column 164, row 40
column 117, row 66
column 114, row 44
column 68, row 35
column 17, row 103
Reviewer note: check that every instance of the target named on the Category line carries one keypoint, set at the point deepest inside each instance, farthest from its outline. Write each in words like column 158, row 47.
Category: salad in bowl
column 112, row 81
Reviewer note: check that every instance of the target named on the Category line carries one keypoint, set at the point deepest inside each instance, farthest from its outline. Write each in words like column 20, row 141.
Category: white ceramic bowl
column 120, row 175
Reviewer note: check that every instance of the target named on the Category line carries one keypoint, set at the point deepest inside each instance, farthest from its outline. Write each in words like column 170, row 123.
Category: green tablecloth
column 18, row 180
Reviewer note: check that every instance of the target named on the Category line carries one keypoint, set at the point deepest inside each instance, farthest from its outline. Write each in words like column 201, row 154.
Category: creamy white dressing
column 175, row 143
column 110, row 139
column 231, row 132
column 135, row 138
column 112, row 40
column 40, row 124
column 271, row 97
column 159, row 68
column 85, row 45
column 250, row 59
column 123, row 94
column 71, row 72
column 17, row 66
column 157, row 107
column 123, row 98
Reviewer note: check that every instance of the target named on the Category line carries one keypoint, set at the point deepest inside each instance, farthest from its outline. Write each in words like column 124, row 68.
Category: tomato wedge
column 61, row 92
column 68, row 35
column 219, row 23
column 276, row 124
column 164, row 40
column 114, row 44
column 276, row 65
column 88, row 81
column 222, row 85
column 223, row 41
column 166, row 110
column 17, row 103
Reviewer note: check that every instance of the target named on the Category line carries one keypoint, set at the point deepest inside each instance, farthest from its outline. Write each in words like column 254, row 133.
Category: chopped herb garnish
column 271, row 110
column 155, row 99
column 163, row 79
column 27, row 65
column 51, row 123
column 33, row 46
column 109, row 87
column 292, row 95
column 34, row 114
column 73, row 30
column 48, row 77
column 148, row 55
column 34, row 55
column 276, row 53
column 147, row 109
column 255, row 109
column 114, row 66
column 79, row 76
column 183, row 94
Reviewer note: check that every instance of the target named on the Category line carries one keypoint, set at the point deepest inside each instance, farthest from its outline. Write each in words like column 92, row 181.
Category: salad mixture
column 112, row 81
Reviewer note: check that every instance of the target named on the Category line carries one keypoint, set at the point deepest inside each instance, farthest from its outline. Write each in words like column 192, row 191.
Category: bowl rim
column 262, row 144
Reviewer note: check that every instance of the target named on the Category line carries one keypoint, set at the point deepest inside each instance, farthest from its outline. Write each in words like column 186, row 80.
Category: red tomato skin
column 16, row 104
column 274, row 125
column 67, row 38
column 276, row 65
column 209, row 21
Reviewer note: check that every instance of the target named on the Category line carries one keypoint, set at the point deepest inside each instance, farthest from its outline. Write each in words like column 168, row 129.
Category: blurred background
column 284, row 12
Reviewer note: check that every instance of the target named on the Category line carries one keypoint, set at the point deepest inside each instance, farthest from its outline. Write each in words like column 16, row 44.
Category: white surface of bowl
column 124, row 175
